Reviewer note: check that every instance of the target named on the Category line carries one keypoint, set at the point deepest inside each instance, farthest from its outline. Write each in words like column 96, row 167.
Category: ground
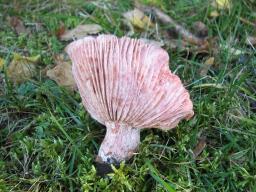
column 48, row 142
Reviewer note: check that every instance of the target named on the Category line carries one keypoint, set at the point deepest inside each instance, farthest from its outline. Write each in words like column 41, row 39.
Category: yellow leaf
column 22, row 68
column 138, row 19
column 62, row 73
column 207, row 64
column 223, row 4
column 214, row 14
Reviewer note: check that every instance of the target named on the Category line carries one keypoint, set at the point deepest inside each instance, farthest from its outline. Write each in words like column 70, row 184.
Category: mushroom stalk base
column 119, row 144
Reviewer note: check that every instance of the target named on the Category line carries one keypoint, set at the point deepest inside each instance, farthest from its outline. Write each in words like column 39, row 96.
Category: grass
column 48, row 142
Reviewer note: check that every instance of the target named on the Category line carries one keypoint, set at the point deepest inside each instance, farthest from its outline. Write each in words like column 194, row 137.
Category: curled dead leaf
column 80, row 31
column 62, row 73
column 22, row 68
column 138, row 19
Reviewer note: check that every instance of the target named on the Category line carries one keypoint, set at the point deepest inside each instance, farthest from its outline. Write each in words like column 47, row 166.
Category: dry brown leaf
column 18, row 25
column 207, row 64
column 201, row 144
column 138, row 19
column 200, row 29
column 61, row 30
column 62, row 73
column 22, row 68
column 81, row 31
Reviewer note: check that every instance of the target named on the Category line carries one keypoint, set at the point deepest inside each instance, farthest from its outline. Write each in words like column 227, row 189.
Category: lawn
column 48, row 142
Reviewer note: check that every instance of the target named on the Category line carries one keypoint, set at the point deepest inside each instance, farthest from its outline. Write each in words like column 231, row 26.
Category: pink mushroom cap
column 126, row 84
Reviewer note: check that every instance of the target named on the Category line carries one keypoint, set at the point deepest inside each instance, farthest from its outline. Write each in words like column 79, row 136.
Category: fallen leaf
column 81, row 31
column 214, row 14
column 18, row 25
column 251, row 40
column 223, row 4
column 200, row 29
column 1, row 63
column 61, row 30
column 62, row 73
column 22, row 68
column 201, row 144
column 207, row 64
column 138, row 19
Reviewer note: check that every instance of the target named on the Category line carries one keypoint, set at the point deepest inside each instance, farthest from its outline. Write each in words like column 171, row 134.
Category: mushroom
column 126, row 85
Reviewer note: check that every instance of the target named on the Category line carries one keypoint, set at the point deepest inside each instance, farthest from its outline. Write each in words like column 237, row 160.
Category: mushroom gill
column 126, row 85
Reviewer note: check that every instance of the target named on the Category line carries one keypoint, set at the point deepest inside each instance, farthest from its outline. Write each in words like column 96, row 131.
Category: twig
column 166, row 19
column 247, row 21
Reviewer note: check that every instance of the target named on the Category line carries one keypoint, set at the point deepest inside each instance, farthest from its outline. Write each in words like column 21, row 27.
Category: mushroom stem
column 120, row 143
